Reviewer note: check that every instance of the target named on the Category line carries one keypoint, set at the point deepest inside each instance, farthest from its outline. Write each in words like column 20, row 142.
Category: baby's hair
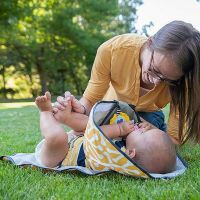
column 157, row 155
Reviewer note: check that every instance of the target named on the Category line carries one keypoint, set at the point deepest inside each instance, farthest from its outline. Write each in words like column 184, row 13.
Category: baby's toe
column 38, row 99
column 48, row 95
column 43, row 98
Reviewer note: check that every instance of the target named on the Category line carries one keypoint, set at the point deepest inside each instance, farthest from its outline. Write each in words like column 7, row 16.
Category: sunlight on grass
column 16, row 105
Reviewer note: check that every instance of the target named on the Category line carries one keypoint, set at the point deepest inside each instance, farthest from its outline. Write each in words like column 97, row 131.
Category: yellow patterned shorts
column 76, row 155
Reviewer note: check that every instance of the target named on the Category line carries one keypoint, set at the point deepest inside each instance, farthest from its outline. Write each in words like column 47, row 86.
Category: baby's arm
column 118, row 130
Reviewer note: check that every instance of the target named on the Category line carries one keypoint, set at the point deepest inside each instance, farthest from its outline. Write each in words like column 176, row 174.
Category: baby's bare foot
column 44, row 102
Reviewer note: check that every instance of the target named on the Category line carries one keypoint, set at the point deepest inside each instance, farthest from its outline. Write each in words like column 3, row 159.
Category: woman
column 150, row 73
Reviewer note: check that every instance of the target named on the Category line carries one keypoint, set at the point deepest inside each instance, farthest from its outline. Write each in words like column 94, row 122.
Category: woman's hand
column 76, row 104
column 61, row 104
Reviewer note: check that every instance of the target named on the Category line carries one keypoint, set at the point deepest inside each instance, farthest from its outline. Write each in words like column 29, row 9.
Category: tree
column 56, row 40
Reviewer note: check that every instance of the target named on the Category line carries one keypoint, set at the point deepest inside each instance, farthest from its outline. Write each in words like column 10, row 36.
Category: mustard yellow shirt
column 116, row 75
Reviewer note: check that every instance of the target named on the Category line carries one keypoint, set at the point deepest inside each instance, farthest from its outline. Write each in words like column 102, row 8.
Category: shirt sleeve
column 100, row 75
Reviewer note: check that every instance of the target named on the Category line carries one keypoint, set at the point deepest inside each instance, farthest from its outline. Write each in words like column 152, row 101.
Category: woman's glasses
column 152, row 72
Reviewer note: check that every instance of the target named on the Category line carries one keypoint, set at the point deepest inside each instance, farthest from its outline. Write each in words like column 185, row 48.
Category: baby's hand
column 126, row 128
column 145, row 126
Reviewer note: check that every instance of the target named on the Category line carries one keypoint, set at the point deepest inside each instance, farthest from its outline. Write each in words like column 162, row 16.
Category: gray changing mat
column 24, row 159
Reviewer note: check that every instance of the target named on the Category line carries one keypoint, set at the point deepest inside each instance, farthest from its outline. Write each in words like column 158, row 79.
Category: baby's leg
column 55, row 146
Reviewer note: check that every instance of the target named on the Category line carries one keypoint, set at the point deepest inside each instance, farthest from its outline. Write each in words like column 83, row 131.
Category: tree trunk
column 76, row 82
column 43, row 78
column 41, row 71
column 4, row 82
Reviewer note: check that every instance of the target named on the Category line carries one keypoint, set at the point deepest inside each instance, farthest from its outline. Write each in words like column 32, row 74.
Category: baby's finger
column 131, row 125
column 146, row 128
column 61, row 100
column 128, row 125
column 59, row 106
column 132, row 129
column 73, row 98
column 67, row 94
column 144, row 124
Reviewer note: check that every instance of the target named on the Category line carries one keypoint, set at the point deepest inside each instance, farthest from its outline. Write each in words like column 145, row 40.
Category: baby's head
column 153, row 150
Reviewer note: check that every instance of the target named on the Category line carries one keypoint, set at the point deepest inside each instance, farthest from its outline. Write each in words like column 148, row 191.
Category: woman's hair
column 181, row 41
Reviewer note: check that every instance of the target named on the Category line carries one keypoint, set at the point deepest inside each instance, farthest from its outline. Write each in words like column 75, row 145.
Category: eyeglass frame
column 152, row 72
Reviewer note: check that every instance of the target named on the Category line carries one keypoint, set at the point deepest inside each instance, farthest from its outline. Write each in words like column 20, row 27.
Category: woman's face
column 157, row 67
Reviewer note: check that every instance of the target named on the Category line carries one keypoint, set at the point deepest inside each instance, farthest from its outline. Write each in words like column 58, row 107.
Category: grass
column 19, row 132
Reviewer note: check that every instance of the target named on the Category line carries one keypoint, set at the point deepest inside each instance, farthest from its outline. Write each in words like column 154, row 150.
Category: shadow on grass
column 72, row 173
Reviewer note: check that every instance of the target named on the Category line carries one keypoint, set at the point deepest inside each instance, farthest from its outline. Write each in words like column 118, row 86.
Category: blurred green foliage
column 51, row 44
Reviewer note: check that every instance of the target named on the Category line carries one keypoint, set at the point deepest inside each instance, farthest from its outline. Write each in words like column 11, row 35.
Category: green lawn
column 19, row 132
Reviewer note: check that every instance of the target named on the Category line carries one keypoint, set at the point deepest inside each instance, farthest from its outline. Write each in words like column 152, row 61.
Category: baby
column 152, row 149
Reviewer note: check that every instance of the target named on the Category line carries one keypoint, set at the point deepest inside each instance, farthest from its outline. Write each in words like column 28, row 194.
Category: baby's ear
column 131, row 153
